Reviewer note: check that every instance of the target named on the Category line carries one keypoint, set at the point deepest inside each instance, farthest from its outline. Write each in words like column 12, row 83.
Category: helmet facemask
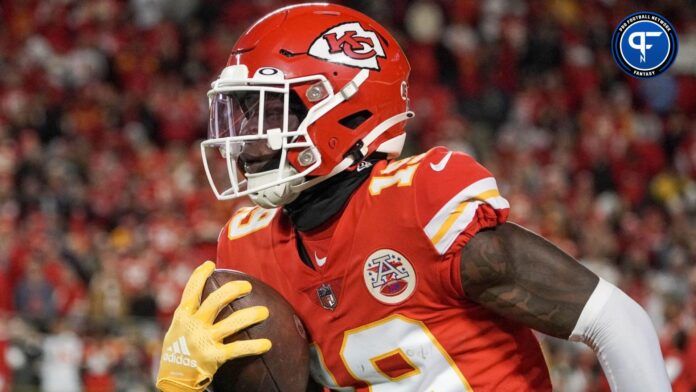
column 253, row 125
column 238, row 125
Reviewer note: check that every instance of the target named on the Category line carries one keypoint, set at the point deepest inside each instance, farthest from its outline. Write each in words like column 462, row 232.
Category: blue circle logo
column 644, row 44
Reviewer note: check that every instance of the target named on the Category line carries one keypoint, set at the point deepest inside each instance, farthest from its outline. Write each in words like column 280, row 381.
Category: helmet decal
column 349, row 44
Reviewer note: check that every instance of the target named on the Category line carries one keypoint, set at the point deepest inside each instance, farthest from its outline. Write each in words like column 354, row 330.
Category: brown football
column 286, row 366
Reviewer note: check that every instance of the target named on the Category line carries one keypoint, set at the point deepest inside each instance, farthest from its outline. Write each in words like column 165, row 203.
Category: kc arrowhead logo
column 349, row 44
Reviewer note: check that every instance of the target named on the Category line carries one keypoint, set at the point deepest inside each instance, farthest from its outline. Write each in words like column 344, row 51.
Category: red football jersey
column 386, row 310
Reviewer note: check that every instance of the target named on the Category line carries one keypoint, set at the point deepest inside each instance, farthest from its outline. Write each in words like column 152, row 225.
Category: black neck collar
column 320, row 203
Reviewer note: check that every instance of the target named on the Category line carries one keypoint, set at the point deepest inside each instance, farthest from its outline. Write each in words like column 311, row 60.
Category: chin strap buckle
column 356, row 152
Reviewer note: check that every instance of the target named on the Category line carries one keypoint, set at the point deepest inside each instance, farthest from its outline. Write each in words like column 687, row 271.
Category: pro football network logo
column 389, row 276
column 644, row 44
column 349, row 44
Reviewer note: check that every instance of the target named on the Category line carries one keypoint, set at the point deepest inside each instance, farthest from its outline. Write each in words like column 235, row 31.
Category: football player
column 405, row 272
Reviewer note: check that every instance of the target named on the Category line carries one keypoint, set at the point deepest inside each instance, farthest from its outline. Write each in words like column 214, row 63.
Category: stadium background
column 104, row 208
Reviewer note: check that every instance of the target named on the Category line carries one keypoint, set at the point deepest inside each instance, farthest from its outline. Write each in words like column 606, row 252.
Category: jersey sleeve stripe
column 487, row 194
column 449, row 222
column 484, row 196
column 458, row 212
column 459, row 225
column 466, row 194
column 499, row 202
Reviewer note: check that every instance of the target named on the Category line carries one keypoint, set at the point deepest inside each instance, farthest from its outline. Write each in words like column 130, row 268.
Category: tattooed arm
column 523, row 277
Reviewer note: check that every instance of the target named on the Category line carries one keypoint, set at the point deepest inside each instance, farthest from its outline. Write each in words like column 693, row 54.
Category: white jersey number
column 248, row 220
column 398, row 173
column 423, row 365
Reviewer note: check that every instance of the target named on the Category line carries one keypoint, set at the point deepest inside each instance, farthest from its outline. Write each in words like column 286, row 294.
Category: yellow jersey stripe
column 449, row 222
column 458, row 211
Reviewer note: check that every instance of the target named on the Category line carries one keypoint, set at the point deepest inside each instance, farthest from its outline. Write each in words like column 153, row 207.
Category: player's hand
column 193, row 348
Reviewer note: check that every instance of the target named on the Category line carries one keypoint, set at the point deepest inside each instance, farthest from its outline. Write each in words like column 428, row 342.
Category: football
column 286, row 366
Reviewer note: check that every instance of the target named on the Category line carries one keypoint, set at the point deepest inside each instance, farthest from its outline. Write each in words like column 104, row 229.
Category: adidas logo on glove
column 178, row 353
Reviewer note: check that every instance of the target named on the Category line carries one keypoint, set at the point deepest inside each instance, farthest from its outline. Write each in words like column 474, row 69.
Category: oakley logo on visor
column 349, row 44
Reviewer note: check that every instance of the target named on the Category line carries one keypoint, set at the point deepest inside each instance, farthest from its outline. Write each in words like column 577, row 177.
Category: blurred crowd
column 104, row 207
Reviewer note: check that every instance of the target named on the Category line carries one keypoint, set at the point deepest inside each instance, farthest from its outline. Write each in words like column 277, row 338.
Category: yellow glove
column 193, row 350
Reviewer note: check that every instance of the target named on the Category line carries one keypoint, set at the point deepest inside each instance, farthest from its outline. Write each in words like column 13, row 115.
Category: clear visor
column 247, row 116
column 250, row 130
column 246, row 113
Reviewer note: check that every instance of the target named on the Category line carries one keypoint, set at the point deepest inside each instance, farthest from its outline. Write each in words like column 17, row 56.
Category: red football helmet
column 320, row 85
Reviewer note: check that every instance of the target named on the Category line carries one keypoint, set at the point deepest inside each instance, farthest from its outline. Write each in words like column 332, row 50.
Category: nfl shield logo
column 326, row 297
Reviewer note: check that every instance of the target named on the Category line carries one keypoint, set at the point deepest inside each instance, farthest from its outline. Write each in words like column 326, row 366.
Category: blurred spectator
column 101, row 358
column 5, row 369
column 106, row 294
column 35, row 297
column 62, row 359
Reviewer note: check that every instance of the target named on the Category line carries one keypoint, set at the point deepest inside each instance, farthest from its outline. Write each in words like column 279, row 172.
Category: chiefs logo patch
column 389, row 277
column 349, row 44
